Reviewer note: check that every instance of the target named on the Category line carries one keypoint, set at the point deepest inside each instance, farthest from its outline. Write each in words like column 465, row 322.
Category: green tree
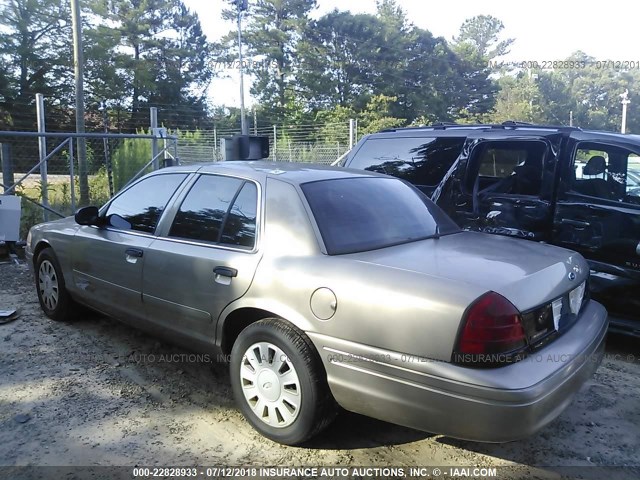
column 596, row 95
column 270, row 48
column 477, row 43
column 334, row 121
column 155, row 53
column 336, row 66
column 519, row 99
column 348, row 59
column 377, row 115
column 181, row 69
column 587, row 93
column 35, row 52
column 480, row 36
column 5, row 116
column 128, row 159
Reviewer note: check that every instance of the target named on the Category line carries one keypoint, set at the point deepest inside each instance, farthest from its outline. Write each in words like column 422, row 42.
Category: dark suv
column 575, row 188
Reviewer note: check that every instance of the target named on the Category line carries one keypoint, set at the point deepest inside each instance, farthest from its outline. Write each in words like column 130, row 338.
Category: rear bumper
column 488, row 405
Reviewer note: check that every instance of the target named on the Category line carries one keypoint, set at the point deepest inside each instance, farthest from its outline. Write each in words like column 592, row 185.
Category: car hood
column 525, row 272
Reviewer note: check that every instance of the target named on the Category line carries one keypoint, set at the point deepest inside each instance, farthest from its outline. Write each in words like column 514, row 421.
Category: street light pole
column 242, row 6
column 625, row 101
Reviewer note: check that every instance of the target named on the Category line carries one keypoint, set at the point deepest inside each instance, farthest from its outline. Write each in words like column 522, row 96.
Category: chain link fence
column 43, row 168
column 319, row 143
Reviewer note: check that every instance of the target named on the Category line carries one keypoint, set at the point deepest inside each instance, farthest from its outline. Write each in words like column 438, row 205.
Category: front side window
column 143, row 203
column 359, row 214
column 419, row 161
column 606, row 172
column 218, row 210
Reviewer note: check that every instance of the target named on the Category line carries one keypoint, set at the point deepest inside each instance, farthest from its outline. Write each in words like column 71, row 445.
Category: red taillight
column 492, row 327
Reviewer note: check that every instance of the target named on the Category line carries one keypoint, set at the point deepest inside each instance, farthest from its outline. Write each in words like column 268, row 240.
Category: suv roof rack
column 509, row 124
column 443, row 125
column 436, row 126
column 515, row 124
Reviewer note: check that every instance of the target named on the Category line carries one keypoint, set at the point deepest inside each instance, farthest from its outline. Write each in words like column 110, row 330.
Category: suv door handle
column 575, row 223
column 134, row 252
column 226, row 271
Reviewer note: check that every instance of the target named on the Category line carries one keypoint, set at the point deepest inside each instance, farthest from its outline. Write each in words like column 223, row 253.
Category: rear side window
column 218, row 209
column 511, row 167
column 359, row 214
column 240, row 225
column 143, row 203
column 420, row 161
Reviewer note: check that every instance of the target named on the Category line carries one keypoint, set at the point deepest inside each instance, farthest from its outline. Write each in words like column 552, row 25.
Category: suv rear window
column 360, row 214
column 420, row 161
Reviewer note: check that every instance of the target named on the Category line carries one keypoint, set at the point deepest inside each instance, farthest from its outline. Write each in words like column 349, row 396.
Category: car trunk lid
column 528, row 274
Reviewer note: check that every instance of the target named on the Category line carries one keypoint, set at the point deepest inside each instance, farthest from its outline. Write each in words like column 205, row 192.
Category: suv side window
column 513, row 167
column 607, row 172
column 216, row 210
column 143, row 203
column 420, row 161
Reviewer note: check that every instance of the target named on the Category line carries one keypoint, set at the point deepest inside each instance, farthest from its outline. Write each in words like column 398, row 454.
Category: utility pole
column 625, row 101
column 571, row 118
column 351, row 132
column 42, row 150
column 255, row 121
column 78, row 62
column 107, row 153
column 242, row 6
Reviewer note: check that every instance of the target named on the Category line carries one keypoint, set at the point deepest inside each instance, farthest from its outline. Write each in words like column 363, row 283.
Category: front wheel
column 279, row 383
column 54, row 299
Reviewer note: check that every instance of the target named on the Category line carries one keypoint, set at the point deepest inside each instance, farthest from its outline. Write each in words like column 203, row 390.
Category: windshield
column 367, row 213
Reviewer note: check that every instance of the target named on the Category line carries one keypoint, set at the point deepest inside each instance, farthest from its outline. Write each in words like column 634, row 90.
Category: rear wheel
column 54, row 299
column 279, row 382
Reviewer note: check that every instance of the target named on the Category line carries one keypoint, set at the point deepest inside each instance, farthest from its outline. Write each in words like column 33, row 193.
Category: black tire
column 54, row 299
column 316, row 408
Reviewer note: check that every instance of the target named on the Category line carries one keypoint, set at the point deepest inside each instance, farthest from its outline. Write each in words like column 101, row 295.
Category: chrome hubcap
column 270, row 384
column 48, row 284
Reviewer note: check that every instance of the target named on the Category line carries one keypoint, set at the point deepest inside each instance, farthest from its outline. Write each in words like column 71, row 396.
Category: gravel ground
column 97, row 392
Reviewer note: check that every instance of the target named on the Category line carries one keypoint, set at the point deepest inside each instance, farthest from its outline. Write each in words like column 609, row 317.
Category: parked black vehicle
column 570, row 187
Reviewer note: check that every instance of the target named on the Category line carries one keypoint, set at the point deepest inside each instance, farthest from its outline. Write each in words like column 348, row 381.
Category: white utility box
column 10, row 218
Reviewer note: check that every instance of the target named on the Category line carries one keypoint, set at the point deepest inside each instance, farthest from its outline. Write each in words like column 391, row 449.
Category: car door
column 503, row 184
column 205, row 257
column 108, row 261
column 598, row 208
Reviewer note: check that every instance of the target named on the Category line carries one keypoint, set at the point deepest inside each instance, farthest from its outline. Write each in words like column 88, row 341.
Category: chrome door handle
column 226, row 271
column 575, row 223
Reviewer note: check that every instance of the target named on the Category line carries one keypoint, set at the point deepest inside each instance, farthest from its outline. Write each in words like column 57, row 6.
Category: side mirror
column 87, row 216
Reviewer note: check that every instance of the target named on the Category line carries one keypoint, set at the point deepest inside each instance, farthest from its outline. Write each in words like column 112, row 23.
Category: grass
column 59, row 193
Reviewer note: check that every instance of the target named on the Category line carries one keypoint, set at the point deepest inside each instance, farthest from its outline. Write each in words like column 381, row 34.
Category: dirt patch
column 97, row 392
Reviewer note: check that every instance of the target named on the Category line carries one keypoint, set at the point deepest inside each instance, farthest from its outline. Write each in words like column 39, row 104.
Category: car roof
column 505, row 129
column 290, row 172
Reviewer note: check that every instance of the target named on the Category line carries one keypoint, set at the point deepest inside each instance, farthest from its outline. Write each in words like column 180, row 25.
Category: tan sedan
column 333, row 287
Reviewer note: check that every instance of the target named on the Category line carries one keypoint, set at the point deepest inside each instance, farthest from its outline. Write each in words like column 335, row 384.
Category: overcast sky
column 544, row 30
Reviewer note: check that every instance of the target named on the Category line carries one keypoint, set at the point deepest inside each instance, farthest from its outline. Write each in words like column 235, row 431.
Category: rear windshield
column 420, row 161
column 365, row 213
